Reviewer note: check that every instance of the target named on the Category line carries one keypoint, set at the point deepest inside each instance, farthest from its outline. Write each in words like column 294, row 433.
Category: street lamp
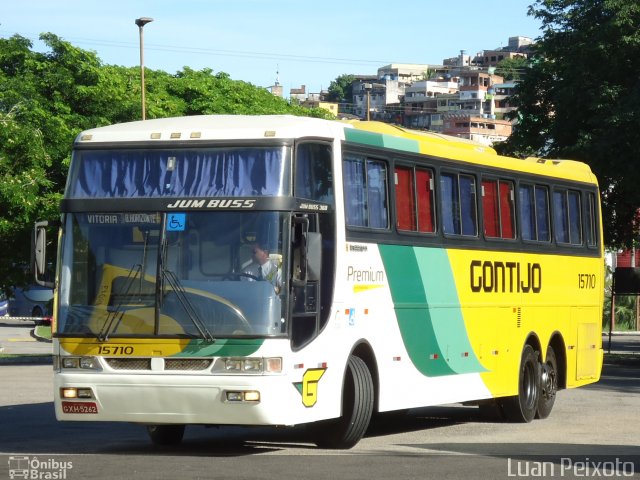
column 141, row 22
column 368, row 87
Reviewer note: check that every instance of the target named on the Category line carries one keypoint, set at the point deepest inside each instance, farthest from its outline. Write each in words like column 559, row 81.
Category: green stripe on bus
column 403, row 144
column 428, row 310
column 448, row 322
column 221, row 348
column 381, row 140
column 366, row 138
column 410, row 304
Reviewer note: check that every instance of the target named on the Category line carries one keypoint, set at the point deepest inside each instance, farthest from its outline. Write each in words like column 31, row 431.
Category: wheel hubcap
column 548, row 382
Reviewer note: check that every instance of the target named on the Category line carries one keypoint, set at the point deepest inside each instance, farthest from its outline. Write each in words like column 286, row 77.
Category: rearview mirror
column 39, row 254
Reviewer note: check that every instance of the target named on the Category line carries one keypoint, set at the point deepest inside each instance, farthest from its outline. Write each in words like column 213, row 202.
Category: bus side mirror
column 39, row 254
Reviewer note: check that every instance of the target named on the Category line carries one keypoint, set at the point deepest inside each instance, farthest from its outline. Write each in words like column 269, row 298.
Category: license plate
column 79, row 407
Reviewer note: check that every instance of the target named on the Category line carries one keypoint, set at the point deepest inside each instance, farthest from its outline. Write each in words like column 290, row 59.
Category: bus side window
column 498, row 209
column 542, row 213
column 414, row 215
column 365, row 185
column 405, row 199
column 355, row 203
column 567, row 218
column 459, row 204
column 534, row 212
column 313, row 172
column 424, row 188
column 591, row 222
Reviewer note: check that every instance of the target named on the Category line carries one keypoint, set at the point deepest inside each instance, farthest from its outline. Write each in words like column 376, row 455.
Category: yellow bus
column 278, row 270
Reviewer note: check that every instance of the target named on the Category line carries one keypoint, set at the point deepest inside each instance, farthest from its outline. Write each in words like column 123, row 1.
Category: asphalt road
column 591, row 429
column 16, row 337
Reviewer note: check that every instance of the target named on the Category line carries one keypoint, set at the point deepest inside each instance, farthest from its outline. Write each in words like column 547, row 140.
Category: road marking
column 21, row 339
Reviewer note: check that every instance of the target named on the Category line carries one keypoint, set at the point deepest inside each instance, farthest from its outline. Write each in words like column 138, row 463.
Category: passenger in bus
column 263, row 267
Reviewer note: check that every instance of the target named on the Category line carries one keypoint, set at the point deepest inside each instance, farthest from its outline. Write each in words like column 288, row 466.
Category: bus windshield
column 187, row 172
column 191, row 274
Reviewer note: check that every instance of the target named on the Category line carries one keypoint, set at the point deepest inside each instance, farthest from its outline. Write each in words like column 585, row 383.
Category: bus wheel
column 522, row 407
column 548, row 384
column 165, row 434
column 37, row 313
column 357, row 408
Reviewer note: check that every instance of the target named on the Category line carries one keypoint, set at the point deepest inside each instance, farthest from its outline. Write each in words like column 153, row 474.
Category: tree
column 46, row 99
column 512, row 68
column 580, row 99
column 341, row 90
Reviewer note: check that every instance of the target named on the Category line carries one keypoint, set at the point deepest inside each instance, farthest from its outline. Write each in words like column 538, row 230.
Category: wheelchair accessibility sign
column 176, row 222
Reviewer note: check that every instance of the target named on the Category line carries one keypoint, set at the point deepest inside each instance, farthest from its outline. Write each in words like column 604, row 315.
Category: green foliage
column 625, row 308
column 579, row 99
column 46, row 99
column 340, row 90
column 512, row 68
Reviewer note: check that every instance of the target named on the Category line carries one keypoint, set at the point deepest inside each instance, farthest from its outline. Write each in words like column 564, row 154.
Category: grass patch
column 617, row 359
column 43, row 331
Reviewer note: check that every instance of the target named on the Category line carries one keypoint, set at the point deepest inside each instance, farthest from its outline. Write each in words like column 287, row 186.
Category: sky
column 299, row 42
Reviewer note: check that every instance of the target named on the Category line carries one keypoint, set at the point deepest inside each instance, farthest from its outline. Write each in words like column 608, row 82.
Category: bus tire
column 357, row 408
column 523, row 406
column 37, row 313
column 548, row 384
column 165, row 434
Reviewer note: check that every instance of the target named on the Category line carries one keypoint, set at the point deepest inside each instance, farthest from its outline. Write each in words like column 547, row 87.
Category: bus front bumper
column 179, row 399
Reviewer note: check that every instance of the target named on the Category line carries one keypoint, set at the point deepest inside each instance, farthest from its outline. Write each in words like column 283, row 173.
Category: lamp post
column 368, row 87
column 141, row 22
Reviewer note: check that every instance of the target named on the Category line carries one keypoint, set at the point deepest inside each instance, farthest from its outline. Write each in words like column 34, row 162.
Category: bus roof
column 375, row 134
column 444, row 146
column 213, row 127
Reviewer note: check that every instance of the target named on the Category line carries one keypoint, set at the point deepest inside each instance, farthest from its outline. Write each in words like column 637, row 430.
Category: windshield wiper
column 188, row 307
column 115, row 316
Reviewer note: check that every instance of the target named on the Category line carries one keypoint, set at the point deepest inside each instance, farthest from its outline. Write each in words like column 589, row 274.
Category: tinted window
column 365, row 184
column 459, row 204
column 313, row 172
column 567, row 217
column 591, row 220
column 534, row 212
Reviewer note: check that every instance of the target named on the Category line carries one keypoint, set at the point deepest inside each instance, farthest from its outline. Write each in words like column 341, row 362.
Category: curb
column 39, row 338
column 621, row 333
column 626, row 359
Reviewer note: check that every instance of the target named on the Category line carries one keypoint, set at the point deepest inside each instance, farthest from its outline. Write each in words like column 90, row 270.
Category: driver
column 263, row 267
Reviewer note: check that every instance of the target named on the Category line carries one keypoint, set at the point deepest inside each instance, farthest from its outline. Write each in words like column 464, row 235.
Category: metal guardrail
column 27, row 319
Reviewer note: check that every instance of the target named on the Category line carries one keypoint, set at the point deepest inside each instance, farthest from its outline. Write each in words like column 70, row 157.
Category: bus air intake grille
column 187, row 363
column 129, row 363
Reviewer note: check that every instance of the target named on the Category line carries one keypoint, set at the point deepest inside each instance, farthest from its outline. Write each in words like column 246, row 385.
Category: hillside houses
column 463, row 97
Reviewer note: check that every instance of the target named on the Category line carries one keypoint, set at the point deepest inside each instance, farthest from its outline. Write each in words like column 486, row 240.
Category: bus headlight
column 248, row 365
column 252, row 365
column 70, row 362
column 84, row 363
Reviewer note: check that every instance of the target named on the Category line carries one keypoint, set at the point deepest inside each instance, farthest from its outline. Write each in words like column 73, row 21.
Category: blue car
column 4, row 305
column 31, row 301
